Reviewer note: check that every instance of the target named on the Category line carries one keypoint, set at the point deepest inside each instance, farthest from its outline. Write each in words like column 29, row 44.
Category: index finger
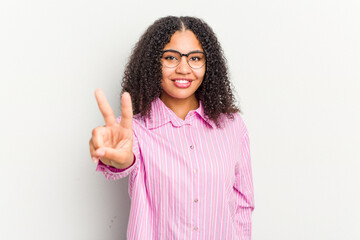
column 126, row 111
column 105, row 108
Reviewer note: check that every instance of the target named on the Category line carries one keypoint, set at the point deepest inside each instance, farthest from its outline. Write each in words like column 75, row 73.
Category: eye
column 171, row 58
column 195, row 58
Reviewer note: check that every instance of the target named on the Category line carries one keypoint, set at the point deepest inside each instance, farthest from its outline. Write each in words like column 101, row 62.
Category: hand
column 113, row 143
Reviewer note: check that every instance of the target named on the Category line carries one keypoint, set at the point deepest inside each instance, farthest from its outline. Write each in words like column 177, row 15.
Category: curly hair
column 143, row 74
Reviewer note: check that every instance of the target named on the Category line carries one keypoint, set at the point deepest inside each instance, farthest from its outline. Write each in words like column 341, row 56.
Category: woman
column 186, row 150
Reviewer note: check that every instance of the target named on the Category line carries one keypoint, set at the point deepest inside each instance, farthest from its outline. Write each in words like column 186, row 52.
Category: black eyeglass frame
column 183, row 54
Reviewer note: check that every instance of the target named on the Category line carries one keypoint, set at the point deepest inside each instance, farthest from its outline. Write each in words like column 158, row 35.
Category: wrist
column 114, row 166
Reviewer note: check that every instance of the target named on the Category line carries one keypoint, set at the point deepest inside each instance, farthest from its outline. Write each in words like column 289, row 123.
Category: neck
column 181, row 107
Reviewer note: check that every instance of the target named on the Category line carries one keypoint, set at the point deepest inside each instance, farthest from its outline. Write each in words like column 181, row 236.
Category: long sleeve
column 244, row 189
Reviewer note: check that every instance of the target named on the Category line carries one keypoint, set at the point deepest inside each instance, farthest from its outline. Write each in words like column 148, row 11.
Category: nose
column 183, row 66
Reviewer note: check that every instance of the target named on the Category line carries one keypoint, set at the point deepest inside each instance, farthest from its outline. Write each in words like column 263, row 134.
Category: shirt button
column 196, row 228
column 192, row 146
column 196, row 170
column 196, row 200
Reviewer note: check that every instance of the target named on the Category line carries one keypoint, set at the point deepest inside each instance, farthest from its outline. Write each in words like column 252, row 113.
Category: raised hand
column 112, row 143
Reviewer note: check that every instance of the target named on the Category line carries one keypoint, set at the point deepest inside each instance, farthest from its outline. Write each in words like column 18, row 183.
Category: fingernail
column 95, row 160
column 100, row 153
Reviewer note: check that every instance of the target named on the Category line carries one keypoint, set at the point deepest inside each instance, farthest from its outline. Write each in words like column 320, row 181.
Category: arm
column 243, row 188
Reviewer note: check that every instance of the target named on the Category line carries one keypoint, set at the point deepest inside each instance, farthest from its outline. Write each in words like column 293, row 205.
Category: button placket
column 192, row 150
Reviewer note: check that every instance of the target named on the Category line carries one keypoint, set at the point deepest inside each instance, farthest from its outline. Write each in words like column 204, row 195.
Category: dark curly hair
column 143, row 74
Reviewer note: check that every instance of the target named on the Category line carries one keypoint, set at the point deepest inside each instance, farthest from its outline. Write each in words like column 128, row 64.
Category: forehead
column 184, row 42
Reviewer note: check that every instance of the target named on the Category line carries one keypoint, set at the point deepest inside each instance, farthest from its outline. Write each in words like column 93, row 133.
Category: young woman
column 186, row 149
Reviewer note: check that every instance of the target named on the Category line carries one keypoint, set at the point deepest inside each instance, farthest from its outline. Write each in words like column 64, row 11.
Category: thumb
column 120, row 157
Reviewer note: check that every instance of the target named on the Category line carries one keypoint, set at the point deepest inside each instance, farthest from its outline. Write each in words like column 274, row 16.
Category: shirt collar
column 161, row 114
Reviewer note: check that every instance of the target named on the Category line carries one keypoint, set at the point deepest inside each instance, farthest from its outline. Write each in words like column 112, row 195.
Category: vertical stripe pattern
column 190, row 179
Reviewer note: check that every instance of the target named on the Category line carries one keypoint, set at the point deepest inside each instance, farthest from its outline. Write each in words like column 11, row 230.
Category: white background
column 295, row 66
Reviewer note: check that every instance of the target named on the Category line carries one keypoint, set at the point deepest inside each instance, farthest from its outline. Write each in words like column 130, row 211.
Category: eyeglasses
column 172, row 58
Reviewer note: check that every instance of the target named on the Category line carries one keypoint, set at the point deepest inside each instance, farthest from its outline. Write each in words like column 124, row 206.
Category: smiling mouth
column 182, row 83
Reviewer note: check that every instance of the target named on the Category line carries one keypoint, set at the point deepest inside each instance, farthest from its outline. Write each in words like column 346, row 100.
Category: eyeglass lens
column 173, row 59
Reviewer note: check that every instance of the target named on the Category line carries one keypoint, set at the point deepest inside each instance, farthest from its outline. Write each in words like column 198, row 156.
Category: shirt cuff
column 114, row 169
column 112, row 173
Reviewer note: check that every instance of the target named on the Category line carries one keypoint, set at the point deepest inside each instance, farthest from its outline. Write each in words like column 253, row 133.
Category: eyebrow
column 170, row 49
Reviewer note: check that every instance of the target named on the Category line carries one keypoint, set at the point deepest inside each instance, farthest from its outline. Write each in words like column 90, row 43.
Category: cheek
column 166, row 72
column 200, row 73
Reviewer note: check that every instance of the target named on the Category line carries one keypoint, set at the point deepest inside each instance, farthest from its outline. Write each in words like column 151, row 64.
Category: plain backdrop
column 295, row 66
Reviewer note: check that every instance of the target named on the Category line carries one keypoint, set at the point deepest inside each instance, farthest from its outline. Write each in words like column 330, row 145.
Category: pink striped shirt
column 190, row 179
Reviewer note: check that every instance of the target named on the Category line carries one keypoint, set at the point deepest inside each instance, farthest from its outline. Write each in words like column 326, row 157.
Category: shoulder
column 233, row 120
column 233, row 125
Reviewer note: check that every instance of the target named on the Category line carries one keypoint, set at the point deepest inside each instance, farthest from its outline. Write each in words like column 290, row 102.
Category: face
column 181, row 82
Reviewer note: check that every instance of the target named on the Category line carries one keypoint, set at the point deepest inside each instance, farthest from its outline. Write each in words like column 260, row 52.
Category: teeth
column 182, row 81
